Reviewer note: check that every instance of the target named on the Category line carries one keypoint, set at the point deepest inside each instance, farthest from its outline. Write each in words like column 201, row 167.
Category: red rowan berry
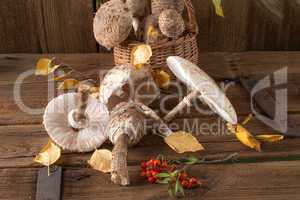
column 152, row 180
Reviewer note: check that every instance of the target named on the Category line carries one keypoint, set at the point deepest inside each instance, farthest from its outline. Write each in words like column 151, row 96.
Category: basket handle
column 193, row 26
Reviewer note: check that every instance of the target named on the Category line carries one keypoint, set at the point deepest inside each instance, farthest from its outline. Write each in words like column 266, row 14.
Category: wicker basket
column 185, row 46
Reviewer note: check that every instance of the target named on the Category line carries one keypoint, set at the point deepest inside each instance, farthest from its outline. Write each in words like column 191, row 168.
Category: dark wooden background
column 65, row 26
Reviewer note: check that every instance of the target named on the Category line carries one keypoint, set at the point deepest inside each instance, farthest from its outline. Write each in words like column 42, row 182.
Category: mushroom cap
column 171, row 23
column 137, row 7
column 121, row 75
column 158, row 6
column 59, row 129
column 125, row 119
column 195, row 78
column 112, row 23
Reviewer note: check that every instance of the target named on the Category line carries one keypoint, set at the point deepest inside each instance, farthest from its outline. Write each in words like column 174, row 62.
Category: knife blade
column 49, row 185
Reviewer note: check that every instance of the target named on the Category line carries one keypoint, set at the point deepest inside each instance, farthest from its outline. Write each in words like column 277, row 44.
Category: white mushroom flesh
column 195, row 78
column 63, row 134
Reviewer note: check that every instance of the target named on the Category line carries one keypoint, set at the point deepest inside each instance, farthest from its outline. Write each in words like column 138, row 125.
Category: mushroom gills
column 195, row 78
column 84, row 139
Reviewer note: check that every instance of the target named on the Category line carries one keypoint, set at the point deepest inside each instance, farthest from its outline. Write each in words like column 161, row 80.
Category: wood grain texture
column 54, row 26
column 222, row 34
column 270, row 180
column 65, row 26
column 42, row 26
column 266, row 25
column 20, row 143
column 18, row 27
column 291, row 27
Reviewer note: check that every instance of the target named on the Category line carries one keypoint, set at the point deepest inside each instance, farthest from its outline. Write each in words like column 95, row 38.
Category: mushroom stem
column 185, row 102
column 119, row 174
column 83, row 96
column 163, row 129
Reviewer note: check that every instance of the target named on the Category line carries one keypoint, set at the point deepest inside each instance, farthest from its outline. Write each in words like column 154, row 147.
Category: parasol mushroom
column 126, row 127
column 136, row 7
column 76, row 121
column 127, row 78
column 171, row 23
column 203, row 87
column 158, row 6
column 112, row 23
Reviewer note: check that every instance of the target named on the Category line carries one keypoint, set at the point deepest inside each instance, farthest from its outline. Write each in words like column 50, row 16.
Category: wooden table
column 272, row 174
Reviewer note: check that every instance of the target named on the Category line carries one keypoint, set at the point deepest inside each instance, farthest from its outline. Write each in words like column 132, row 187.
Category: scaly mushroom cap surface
column 136, row 7
column 158, row 6
column 126, row 120
column 171, row 23
column 112, row 23
column 63, row 134
column 119, row 76
column 195, row 78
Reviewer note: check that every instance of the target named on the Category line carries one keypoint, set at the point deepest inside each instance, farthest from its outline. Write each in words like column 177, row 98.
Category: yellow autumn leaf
column 182, row 142
column 43, row 66
column 68, row 84
column 151, row 34
column 218, row 7
column 101, row 160
column 94, row 92
column 161, row 78
column 140, row 55
column 245, row 137
column 49, row 154
column 269, row 138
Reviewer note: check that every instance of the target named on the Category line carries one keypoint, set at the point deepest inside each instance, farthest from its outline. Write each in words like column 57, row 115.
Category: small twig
column 231, row 157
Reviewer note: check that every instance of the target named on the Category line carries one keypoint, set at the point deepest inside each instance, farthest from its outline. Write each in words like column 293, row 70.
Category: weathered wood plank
column 19, row 144
column 18, row 27
column 65, row 26
column 291, row 25
column 42, row 26
column 222, row 34
column 270, row 180
column 265, row 25
column 35, row 96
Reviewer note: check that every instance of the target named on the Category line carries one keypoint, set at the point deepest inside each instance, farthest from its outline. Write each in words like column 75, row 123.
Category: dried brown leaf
column 101, row 160
column 140, row 55
column 245, row 137
column 218, row 7
column 49, row 154
column 182, row 142
column 68, row 84
column 43, row 66
column 161, row 78
column 269, row 138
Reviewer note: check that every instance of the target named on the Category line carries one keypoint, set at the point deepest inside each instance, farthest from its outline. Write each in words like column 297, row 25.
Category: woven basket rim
column 178, row 41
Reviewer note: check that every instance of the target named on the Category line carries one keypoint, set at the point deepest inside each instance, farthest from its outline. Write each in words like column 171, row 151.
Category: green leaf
column 181, row 190
column 177, row 185
column 163, row 175
column 178, row 188
column 218, row 7
column 191, row 160
column 164, row 181
column 175, row 173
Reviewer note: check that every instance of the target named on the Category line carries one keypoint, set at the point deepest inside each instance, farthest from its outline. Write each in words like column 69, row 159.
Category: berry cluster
column 161, row 171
